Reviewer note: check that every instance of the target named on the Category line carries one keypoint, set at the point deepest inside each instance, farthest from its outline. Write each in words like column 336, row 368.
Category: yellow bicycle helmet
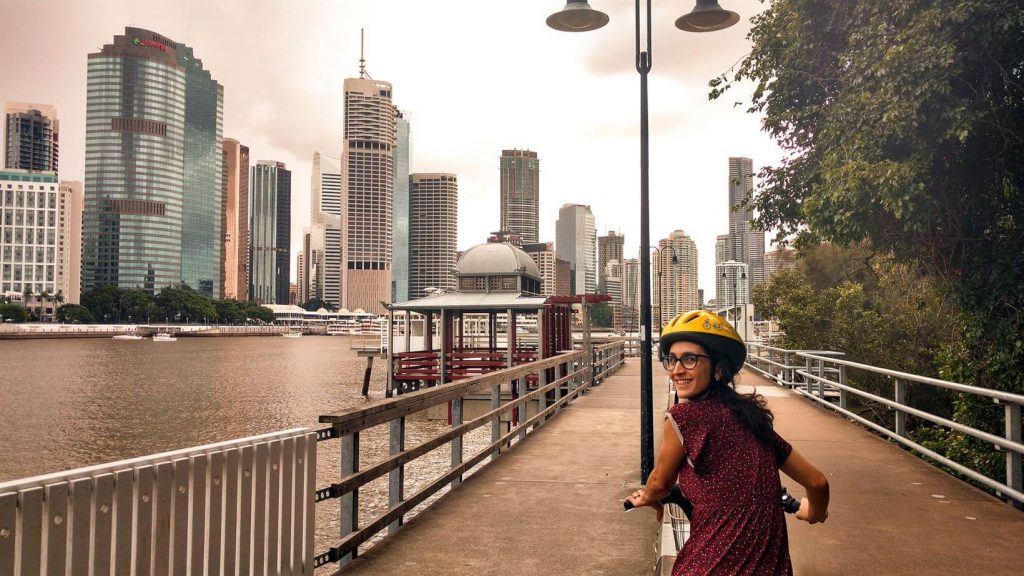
column 709, row 330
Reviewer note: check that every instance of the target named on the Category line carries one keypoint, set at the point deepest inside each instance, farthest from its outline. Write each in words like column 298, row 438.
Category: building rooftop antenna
column 362, row 61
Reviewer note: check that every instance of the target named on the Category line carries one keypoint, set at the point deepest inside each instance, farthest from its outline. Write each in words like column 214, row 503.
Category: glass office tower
column 153, row 183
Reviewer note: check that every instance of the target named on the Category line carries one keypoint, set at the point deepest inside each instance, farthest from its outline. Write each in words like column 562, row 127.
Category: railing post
column 456, row 443
column 349, row 502
column 786, row 371
column 1013, row 459
column 521, row 385
column 496, row 421
column 844, row 396
column 901, row 416
column 821, row 382
column 807, row 380
column 396, row 478
column 542, row 401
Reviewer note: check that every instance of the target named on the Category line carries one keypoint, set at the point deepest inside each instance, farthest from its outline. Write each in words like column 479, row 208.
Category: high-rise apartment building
column 554, row 272
column 236, row 220
column 433, row 231
column 608, row 248
column 400, row 218
column 69, row 265
column 676, row 272
column 630, row 291
column 732, row 283
column 30, row 207
column 301, row 286
column 31, row 137
column 153, row 165
column 576, row 243
column 746, row 244
column 270, row 232
column 722, row 252
column 520, row 194
column 368, row 184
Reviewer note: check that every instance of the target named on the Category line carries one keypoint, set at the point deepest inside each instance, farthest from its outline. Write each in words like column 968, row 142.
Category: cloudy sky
column 473, row 77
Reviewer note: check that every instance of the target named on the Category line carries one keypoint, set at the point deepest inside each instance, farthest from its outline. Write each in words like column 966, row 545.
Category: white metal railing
column 238, row 507
column 823, row 377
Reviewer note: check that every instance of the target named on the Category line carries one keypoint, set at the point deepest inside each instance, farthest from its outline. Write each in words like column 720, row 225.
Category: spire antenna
column 362, row 61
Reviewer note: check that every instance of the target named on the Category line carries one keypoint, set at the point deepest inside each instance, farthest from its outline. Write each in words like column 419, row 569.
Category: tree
column 13, row 313
column 903, row 126
column 314, row 304
column 135, row 305
column 103, row 303
column 74, row 314
column 230, row 311
column 261, row 313
column 601, row 315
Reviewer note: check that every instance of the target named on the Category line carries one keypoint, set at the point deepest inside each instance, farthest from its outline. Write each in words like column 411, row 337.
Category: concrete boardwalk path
column 891, row 513
column 550, row 505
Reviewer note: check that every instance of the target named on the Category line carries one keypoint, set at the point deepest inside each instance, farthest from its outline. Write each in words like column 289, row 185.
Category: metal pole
column 643, row 67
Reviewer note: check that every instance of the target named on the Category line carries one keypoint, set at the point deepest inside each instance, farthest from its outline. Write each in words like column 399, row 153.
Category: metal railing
column 607, row 358
column 558, row 381
column 239, row 507
column 823, row 378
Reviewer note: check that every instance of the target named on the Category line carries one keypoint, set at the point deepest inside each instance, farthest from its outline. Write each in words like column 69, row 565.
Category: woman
column 722, row 449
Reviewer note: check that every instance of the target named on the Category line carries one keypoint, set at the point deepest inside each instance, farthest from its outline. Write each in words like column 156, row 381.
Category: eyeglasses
column 688, row 360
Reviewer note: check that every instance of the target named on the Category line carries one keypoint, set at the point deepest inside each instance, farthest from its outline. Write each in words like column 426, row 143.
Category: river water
column 70, row 403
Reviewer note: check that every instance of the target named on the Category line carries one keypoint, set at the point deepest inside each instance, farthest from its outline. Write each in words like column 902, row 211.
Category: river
column 70, row 403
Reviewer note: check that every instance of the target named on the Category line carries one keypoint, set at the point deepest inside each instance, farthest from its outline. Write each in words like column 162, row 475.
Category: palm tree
column 44, row 297
column 26, row 295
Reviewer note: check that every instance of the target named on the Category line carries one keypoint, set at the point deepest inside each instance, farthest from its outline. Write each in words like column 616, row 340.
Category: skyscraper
column 608, row 248
column 746, row 244
column 29, row 228
column 270, row 232
column 722, row 252
column 69, row 265
column 433, row 231
column 236, row 220
column 367, row 193
column 630, row 291
column 676, row 268
column 778, row 260
column 400, row 226
column 520, row 194
column 32, row 137
column 325, row 231
column 153, row 190
column 576, row 243
column 543, row 253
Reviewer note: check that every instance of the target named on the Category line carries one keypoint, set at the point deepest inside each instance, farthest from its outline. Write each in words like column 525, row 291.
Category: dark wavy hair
column 750, row 409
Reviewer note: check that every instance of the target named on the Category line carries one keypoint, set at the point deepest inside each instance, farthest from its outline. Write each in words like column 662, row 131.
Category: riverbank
column 43, row 331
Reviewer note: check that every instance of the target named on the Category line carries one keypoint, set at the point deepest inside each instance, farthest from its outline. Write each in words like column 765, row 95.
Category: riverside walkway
column 553, row 504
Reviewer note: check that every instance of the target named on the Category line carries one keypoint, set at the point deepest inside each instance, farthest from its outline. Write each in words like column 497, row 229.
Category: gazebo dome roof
column 496, row 258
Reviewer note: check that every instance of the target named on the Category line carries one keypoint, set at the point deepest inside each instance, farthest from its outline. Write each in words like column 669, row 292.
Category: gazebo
column 498, row 286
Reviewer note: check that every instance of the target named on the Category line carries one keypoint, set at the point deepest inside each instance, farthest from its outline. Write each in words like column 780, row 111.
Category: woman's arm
column 666, row 469
column 813, row 508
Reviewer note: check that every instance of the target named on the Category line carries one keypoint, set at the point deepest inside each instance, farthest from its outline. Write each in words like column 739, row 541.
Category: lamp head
column 707, row 16
column 577, row 16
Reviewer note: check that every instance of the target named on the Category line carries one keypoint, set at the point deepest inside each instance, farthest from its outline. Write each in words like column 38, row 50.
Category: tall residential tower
column 270, row 232
column 520, row 194
column 31, row 137
column 433, row 232
column 367, row 179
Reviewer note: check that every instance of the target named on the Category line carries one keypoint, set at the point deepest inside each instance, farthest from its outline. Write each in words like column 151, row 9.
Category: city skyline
column 590, row 149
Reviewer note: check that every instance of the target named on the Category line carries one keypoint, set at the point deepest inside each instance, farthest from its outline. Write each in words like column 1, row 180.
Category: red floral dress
column 732, row 480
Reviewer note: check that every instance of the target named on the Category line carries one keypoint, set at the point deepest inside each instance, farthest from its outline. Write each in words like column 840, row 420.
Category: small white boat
column 164, row 337
column 292, row 334
column 131, row 334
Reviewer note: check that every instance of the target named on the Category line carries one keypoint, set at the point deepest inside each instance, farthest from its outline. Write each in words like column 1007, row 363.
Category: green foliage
column 601, row 315
column 876, row 311
column 181, row 304
column 13, row 313
column 315, row 304
column 903, row 127
column 260, row 313
column 109, row 304
column 103, row 303
column 74, row 314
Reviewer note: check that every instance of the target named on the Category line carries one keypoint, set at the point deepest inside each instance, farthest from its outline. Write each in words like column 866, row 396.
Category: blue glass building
column 152, row 167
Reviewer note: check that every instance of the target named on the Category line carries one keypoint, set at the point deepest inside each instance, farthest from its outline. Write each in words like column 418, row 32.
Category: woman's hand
column 809, row 514
column 639, row 498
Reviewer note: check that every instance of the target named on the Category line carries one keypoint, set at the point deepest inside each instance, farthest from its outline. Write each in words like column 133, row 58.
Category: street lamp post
column 707, row 16
column 661, row 298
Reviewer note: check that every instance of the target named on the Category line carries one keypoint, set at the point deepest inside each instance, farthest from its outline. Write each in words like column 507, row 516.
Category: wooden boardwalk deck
column 552, row 504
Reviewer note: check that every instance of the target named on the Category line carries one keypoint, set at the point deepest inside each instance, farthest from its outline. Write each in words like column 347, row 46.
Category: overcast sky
column 474, row 77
